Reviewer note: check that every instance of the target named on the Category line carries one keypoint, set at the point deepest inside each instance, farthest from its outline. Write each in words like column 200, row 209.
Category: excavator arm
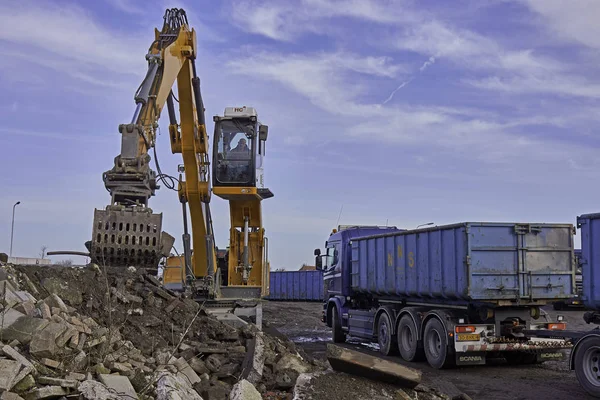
column 127, row 232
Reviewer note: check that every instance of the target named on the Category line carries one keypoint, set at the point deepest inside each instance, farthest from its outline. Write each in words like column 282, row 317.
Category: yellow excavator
column 127, row 232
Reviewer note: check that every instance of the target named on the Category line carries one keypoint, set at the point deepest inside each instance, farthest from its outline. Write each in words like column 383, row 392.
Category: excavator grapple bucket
column 129, row 237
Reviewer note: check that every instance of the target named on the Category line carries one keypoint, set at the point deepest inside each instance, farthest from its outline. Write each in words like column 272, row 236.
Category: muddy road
column 494, row 381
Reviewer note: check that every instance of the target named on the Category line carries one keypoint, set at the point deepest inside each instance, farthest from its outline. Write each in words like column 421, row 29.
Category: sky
column 379, row 112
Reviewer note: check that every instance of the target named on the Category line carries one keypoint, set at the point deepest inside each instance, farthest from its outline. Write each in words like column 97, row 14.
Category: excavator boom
column 127, row 232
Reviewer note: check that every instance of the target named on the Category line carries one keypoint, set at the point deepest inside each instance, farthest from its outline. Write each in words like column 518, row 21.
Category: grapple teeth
column 125, row 237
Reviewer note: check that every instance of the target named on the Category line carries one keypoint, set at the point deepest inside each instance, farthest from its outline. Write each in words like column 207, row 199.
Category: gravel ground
column 494, row 381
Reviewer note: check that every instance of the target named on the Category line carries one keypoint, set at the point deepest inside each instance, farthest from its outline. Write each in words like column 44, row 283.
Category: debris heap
column 102, row 333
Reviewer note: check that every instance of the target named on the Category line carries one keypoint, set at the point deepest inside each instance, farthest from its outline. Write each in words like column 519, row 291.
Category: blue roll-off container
column 590, row 259
column 296, row 286
column 468, row 262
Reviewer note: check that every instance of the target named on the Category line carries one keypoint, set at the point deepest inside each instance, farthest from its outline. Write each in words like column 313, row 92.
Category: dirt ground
column 494, row 381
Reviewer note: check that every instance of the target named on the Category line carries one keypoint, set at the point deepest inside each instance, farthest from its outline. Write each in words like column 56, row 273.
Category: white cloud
column 55, row 30
column 559, row 85
column 285, row 21
column 126, row 6
column 576, row 21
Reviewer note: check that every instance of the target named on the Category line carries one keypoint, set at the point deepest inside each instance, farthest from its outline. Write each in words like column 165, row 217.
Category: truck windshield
column 235, row 141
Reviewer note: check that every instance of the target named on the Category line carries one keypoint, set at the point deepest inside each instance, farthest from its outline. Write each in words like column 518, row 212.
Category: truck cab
column 335, row 263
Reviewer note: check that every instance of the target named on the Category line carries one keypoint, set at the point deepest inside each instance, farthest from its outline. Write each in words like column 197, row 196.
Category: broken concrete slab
column 244, row 390
column 23, row 329
column 23, row 385
column 254, row 362
column 93, row 390
column 186, row 372
column 26, row 307
column 54, row 301
column 61, row 289
column 66, row 383
column 43, row 343
column 9, row 369
column 8, row 298
column 9, row 317
column 171, row 387
column 44, row 310
column 293, row 362
column 10, row 396
column 119, row 384
column 46, row 392
column 25, row 296
column 361, row 364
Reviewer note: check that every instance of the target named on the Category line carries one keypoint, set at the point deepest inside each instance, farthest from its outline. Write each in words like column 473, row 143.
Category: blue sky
column 401, row 111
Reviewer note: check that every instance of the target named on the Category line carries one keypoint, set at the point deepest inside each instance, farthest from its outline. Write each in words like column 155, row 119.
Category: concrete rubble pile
column 90, row 333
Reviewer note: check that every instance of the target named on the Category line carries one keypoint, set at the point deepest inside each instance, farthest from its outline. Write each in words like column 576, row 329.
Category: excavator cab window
column 236, row 153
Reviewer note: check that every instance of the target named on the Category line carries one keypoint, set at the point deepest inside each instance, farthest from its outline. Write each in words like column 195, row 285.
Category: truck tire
column 387, row 342
column 587, row 365
column 338, row 335
column 408, row 345
column 435, row 343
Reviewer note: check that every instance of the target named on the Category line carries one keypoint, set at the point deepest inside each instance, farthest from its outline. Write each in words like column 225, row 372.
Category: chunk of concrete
column 24, row 384
column 15, row 355
column 54, row 301
column 171, row 387
column 10, row 396
column 66, row 383
column 186, row 372
column 23, row 329
column 93, row 390
column 43, row 343
column 244, row 390
column 63, row 290
column 293, row 362
column 368, row 366
column 9, row 369
column 254, row 362
column 26, row 307
column 46, row 392
column 8, row 298
column 9, row 317
column 119, row 384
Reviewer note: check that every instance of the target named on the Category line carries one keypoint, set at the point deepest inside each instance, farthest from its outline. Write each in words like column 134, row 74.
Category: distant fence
column 296, row 286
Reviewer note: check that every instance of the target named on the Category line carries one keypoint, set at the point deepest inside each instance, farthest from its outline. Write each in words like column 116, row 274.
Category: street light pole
column 12, row 229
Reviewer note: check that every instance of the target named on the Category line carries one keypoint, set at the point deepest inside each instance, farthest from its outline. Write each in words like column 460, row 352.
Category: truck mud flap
column 471, row 358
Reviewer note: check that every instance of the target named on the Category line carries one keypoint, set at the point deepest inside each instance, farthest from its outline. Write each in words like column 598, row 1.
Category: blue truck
column 452, row 295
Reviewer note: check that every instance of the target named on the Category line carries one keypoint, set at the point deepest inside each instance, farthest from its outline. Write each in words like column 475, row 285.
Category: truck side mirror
column 318, row 263
column 317, row 252
column 263, row 132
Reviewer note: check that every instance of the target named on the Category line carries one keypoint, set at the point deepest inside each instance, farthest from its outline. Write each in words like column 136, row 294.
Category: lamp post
column 12, row 229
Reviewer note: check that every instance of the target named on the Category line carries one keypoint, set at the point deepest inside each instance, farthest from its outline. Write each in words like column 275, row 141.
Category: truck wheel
column 587, row 365
column 387, row 341
column 435, row 341
column 407, row 339
column 338, row 335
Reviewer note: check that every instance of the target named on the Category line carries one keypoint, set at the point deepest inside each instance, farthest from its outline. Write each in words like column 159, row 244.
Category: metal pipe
column 245, row 254
column 12, row 229
column 187, row 253
column 171, row 109
column 136, row 114
column 68, row 253
column 197, row 95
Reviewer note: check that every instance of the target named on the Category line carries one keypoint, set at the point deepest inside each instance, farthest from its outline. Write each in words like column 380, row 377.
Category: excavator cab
column 238, row 152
